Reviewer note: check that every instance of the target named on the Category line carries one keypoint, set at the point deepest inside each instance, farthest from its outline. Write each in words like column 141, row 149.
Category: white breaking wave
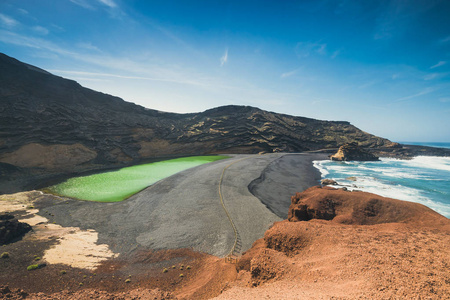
column 394, row 178
column 318, row 164
column 375, row 186
column 394, row 172
column 430, row 162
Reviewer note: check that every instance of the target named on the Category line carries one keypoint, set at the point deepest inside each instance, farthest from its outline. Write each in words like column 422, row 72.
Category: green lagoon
column 120, row 184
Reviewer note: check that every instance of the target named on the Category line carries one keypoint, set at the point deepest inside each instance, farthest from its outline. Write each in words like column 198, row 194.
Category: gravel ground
column 184, row 210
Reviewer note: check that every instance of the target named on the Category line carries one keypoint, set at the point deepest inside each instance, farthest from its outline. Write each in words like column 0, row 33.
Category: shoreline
column 208, row 275
column 14, row 179
column 283, row 178
column 403, row 179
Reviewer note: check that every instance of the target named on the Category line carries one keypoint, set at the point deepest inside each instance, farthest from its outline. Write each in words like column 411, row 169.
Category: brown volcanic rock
column 11, row 229
column 357, row 208
column 328, row 181
column 52, row 157
column 352, row 151
column 403, row 254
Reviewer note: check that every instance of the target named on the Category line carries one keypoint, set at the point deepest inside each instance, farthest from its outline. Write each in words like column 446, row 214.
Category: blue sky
column 382, row 65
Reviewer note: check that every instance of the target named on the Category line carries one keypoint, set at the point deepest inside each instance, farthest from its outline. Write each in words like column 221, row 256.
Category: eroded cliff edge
column 352, row 245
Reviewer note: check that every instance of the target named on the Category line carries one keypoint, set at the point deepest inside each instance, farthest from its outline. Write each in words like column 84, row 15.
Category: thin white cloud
column 445, row 99
column 224, row 58
column 57, row 28
column 88, row 46
column 23, row 11
column 335, row 54
column 169, row 34
column 439, row 64
column 421, row 93
column 94, row 74
column 289, row 74
column 395, row 17
column 431, row 76
column 445, row 40
column 8, row 21
column 109, row 3
column 83, row 3
column 9, row 37
column 367, row 84
column 395, row 76
column 305, row 49
column 320, row 101
column 89, row 79
column 135, row 68
column 40, row 30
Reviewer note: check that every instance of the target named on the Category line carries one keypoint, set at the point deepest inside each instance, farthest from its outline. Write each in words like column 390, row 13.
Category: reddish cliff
column 350, row 245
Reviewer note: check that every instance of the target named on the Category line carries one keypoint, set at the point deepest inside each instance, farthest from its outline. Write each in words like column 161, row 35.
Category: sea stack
column 352, row 151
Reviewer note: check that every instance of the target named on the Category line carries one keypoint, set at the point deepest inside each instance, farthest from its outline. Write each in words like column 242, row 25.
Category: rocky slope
column 355, row 245
column 51, row 126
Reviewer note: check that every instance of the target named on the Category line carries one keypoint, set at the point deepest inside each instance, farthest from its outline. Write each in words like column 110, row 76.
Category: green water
column 120, row 184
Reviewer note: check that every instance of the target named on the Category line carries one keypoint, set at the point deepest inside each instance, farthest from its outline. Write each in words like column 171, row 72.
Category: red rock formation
column 392, row 250
column 356, row 207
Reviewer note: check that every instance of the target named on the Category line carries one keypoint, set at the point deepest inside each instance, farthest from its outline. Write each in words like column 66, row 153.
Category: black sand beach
column 184, row 210
column 283, row 178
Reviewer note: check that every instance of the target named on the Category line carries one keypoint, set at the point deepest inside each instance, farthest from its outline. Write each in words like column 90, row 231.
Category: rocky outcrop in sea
column 351, row 151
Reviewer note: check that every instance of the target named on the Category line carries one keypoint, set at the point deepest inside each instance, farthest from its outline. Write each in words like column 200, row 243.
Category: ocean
column 424, row 179
column 430, row 144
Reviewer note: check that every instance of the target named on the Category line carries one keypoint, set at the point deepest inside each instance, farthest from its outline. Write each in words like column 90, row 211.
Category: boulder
column 327, row 181
column 352, row 151
column 11, row 228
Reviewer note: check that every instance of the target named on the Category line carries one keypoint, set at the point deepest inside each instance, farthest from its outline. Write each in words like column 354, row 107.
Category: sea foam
column 423, row 179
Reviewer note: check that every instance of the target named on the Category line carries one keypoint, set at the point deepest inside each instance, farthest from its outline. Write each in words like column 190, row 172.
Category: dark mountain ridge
column 50, row 126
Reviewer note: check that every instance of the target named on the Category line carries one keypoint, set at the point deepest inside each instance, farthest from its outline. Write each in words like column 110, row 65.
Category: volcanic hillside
column 52, row 125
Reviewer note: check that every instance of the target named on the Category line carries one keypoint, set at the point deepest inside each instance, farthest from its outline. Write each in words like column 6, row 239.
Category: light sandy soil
column 19, row 201
column 76, row 248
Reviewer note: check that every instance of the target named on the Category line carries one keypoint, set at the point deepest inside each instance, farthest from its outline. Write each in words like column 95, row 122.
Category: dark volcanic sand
column 283, row 178
column 181, row 211
column 184, row 210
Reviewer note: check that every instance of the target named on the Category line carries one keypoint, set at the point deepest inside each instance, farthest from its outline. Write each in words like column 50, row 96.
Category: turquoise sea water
column 118, row 185
column 430, row 144
column 424, row 179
